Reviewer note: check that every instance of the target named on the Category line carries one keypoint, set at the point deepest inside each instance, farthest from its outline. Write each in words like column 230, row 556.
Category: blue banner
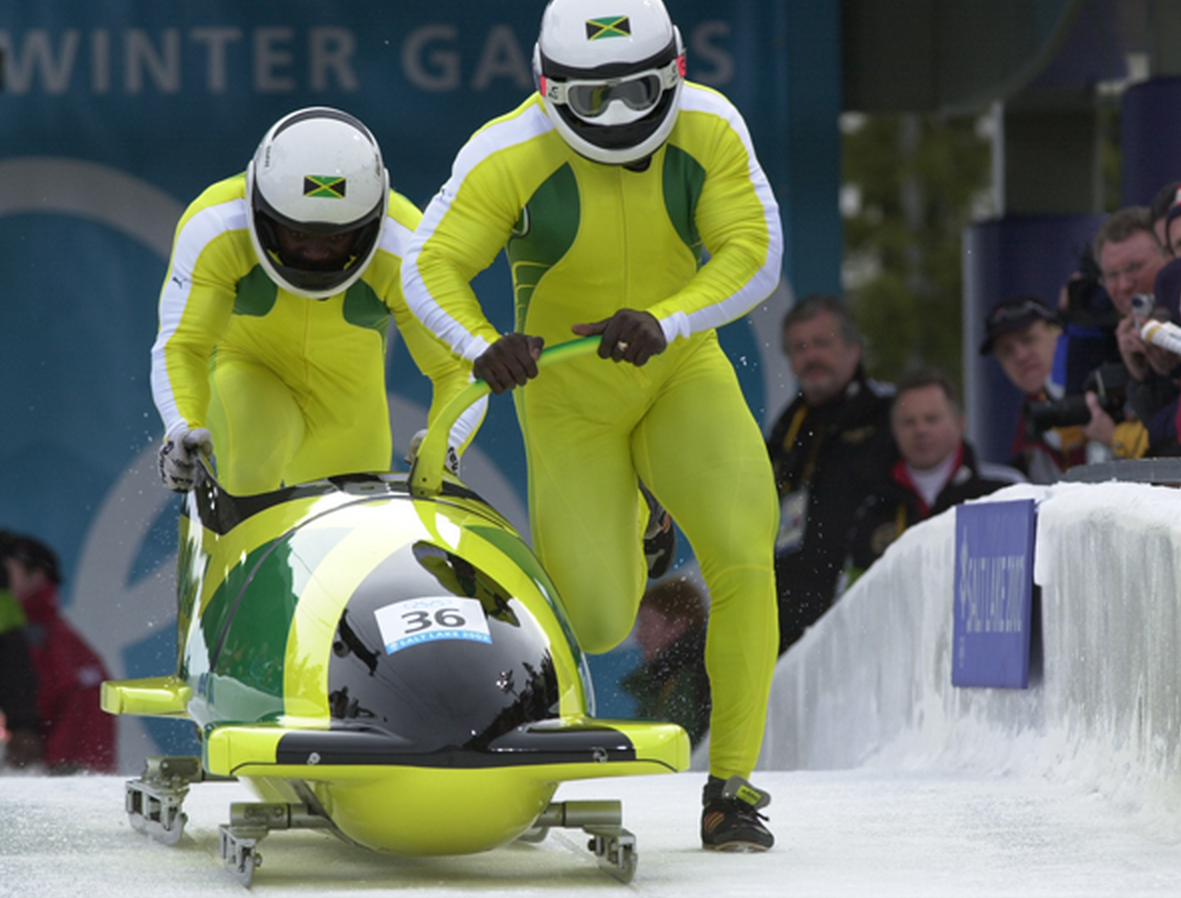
column 994, row 545
column 115, row 115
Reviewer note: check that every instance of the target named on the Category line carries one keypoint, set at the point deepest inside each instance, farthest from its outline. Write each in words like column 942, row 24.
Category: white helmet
column 318, row 171
column 610, row 72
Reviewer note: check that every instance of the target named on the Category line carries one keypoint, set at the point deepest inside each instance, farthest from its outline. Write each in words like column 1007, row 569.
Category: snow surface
column 849, row 833
column 886, row 780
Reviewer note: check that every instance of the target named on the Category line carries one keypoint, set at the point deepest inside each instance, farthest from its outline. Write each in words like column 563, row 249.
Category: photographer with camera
column 1119, row 387
column 1089, row 320
column 1130, row 257
column 1155, row 396
column 1102, row 336
column 1023, row 333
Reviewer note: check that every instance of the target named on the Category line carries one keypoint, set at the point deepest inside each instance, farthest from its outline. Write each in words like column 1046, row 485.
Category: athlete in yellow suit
column 606, row 189
column 275, row 310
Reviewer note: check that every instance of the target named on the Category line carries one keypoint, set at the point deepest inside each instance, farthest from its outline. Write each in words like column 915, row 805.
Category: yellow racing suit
column 291, row 389
column 585, row 240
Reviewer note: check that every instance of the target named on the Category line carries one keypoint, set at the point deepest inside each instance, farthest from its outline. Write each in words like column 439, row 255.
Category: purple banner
column 994, row 544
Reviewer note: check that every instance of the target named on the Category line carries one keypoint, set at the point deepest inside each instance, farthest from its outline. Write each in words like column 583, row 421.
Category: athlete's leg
column 701, row 453
column 584, row 501
column 256, row 426
column 344, row 433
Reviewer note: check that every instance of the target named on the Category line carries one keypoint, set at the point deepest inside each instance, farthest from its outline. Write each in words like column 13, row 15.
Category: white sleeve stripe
column 468, row 422
column 494, row 138
column 764, row 281
column 197, row 233
column 533, row 122
column 395, row 237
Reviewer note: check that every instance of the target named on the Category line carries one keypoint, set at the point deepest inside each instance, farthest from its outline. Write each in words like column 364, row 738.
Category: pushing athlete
column 607, row 189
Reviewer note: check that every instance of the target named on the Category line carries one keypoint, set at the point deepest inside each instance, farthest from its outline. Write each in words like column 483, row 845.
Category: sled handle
column 426, row 474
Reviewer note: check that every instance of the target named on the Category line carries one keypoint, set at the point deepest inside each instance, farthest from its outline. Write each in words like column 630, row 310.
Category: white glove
column 178, row 457
column 412, row 453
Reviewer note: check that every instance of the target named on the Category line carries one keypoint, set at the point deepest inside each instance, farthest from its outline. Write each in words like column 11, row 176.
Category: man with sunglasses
column 275, row 310
column 607, row 188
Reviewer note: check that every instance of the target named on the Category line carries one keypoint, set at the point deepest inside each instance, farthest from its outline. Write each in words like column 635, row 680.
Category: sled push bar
column 426, row 474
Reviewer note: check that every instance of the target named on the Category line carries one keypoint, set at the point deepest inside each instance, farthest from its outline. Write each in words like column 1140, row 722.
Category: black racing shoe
column 660, row 539
column 731, row 820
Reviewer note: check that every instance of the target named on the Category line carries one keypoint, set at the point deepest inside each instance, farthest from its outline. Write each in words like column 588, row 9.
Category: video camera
column 1108, row 382
column 1087, row 302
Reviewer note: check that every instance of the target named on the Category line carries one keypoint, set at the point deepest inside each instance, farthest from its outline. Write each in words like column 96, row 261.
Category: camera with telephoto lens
column 1109, row 384
column 1087, row 302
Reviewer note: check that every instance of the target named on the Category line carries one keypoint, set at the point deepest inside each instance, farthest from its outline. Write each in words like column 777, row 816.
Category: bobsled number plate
column 414, row 621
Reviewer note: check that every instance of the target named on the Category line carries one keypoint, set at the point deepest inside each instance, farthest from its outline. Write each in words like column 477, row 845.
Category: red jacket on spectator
column 77, row 732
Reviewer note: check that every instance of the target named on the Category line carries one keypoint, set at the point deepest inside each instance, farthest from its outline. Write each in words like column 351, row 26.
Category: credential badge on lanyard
column 793, row 521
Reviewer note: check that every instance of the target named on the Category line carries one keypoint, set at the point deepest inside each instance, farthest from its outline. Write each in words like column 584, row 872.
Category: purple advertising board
column 994, row 545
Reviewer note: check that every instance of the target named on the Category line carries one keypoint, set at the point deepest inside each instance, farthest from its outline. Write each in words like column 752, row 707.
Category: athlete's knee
column 599, row 640
column 598, row 627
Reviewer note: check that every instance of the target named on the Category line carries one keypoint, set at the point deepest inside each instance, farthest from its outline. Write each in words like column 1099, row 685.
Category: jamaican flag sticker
column 611, row 26
column 329, row 187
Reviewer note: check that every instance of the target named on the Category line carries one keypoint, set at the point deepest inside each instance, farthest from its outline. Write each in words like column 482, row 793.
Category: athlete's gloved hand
column 628, row 336
column 509, row 362
column 412, row 453
column 179, row 456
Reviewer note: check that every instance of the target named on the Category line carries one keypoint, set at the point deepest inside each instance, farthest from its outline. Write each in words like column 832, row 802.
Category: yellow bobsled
column 371, row 652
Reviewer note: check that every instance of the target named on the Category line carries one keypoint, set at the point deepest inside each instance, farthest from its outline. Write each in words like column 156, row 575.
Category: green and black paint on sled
column 371, row 652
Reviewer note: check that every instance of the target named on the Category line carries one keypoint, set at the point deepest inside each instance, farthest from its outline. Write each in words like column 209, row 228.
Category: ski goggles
column 639, row 92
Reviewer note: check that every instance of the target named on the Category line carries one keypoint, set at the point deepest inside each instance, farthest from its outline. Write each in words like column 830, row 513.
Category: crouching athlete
column 275, row 310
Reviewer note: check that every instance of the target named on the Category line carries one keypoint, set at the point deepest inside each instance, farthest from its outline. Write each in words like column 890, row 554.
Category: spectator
column 1162, row 422
column 671, row 683
column 1154, row 398
column 20, row 727
column 1022, row 333
column 1130, row 257
column 938, row 468
column 77, row 734
column 829, row 449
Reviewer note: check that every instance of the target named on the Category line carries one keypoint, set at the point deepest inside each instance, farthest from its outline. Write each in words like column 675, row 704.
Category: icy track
column 847, row 833
column 886, row 780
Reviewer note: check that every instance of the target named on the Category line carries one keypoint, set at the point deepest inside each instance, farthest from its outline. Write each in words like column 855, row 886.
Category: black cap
column 1014, row 314
column 32, row 554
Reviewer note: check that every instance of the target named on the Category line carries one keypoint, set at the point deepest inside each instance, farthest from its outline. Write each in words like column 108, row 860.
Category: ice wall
column 870, row 683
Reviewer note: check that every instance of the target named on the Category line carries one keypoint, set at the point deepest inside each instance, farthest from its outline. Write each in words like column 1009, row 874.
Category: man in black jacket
column 829, row 449
column 937, row 470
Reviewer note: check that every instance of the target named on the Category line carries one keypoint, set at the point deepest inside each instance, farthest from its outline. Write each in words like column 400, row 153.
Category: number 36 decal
column 414, row 621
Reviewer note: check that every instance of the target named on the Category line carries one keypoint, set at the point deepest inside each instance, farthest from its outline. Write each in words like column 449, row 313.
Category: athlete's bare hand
column 628, row 336
column 509, row 362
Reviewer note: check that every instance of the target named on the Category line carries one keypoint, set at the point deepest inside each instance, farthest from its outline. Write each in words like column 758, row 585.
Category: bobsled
column 370, row 653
